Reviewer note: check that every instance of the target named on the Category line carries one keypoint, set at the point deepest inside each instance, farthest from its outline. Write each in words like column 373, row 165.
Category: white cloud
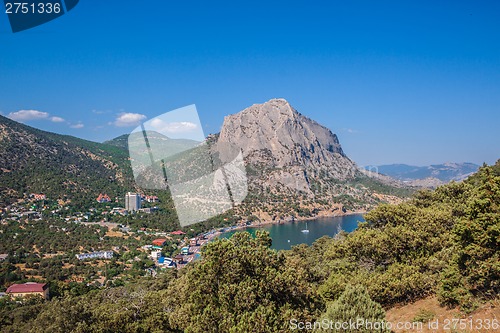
column 57, row 119
column 173, row 127
column 27, row 115
column 129, row 119
column 77, row 126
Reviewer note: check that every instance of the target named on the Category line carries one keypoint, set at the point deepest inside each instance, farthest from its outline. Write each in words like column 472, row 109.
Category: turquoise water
column 286, row 235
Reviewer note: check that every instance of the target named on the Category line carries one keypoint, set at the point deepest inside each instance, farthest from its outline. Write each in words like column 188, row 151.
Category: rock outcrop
column 287, row 147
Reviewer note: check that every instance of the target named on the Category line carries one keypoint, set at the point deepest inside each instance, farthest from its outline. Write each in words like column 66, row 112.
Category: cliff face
column 289, row 148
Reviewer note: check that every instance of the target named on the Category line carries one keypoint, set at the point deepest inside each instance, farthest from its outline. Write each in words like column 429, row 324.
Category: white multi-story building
column 132, row 201
column 155, row 254
column 97, row 254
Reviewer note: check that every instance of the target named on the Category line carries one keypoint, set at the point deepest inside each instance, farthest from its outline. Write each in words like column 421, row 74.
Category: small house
column 102, row 198
column 38, row 196
column 155, row 254
column 160, row 242
column 164, row 262
column 193, row 242
column 178, row 259
column 28, row 289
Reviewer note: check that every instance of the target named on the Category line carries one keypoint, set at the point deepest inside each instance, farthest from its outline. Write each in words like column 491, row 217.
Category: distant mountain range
column 431, row 175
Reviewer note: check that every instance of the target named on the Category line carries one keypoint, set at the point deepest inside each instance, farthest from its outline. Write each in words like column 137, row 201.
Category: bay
column 288, row 234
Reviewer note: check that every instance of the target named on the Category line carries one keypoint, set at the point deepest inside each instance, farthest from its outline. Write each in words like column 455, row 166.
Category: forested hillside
column 35, row 161
column 442, row 242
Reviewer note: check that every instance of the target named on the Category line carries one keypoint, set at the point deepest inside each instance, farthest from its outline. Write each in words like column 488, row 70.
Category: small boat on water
column 306, row 230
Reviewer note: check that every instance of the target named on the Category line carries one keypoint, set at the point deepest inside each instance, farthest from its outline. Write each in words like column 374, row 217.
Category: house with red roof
column 102, row 198
column 28, row 289
column 38, row 196
column 178, row 232
column 159, row 242
column 149, row 198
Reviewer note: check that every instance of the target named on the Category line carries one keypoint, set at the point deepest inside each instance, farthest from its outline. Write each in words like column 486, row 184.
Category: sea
column 288, row 234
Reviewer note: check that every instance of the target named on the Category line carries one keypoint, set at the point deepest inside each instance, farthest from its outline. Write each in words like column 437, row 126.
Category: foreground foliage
column 354, row 305
column 444, row 241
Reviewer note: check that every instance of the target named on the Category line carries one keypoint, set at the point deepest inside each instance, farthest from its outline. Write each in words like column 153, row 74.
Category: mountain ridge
column 33, row 160
column 428, row 176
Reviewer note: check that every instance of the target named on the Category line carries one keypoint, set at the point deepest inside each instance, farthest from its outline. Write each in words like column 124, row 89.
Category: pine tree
column 354, row 306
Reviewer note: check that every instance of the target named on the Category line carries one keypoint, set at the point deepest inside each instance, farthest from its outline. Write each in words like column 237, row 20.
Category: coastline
column 308, row 218
column 216, row 232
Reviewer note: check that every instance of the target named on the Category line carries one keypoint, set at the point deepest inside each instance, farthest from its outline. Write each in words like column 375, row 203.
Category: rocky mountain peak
column 275, row 107
column 276, row 129
column 273, row 111
column 291, row 147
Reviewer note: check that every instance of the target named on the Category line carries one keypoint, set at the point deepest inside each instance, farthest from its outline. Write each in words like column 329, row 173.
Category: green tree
column 475, row 269
column 241, row 285
column 354, row 306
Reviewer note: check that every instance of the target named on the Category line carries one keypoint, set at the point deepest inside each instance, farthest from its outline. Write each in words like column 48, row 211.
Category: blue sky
column 398, row 81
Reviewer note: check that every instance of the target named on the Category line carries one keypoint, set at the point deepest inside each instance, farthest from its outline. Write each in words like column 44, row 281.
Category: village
column 161, row 250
